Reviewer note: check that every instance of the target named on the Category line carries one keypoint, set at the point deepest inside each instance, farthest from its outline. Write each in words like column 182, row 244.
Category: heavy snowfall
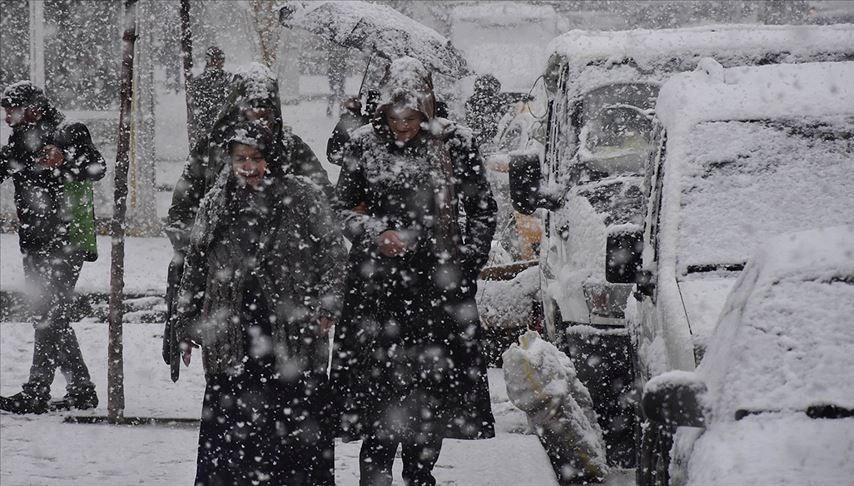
column 456, row 242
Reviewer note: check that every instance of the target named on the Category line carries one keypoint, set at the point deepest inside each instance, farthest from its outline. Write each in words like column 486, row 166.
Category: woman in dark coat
column 415, row 204
column 260, row 290
column 254, row 96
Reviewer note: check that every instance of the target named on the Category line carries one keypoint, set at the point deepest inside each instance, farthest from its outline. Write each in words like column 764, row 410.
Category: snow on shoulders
column 771, row 91
column 363, row 132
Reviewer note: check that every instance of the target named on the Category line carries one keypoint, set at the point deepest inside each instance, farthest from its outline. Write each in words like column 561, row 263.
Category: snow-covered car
column 601, row 140
column 746, row 153
column 772, row 402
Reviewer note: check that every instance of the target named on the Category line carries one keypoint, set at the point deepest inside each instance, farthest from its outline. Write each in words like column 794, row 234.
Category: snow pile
column 507, row 303
column 785, row 337
column 542, row 382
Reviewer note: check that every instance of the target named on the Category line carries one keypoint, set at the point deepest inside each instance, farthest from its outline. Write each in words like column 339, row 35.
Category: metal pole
column 115, row 361
column 187, row 55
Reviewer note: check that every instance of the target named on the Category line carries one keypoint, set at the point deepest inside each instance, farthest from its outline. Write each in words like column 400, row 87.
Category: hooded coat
column 485, row 108
column 297, row 271
column 255, row 86
column 43, row 214
column 409, row 333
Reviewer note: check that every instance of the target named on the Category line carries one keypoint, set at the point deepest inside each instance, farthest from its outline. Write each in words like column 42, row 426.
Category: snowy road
column 44, row 450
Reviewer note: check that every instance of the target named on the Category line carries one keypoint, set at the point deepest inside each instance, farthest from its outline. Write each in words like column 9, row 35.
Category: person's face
column 19, row 115
column 263, row 116
column 248, row 164
column 405, row 123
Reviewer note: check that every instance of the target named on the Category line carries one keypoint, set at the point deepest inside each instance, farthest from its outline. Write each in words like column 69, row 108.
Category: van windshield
column 742, row 182
column 616, row 128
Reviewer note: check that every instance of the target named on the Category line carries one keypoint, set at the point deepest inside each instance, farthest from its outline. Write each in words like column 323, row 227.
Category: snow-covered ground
column 43, row 450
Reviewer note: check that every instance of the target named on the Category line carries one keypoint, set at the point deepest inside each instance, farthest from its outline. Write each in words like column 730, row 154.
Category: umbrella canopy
column 375, row 29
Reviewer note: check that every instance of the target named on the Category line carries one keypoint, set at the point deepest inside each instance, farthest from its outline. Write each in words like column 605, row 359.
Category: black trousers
column 51, row 278
column 259, row 429
column 419, row 457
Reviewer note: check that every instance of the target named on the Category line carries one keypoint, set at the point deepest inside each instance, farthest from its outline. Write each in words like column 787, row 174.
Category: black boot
column 81, row 398
column 23, row 403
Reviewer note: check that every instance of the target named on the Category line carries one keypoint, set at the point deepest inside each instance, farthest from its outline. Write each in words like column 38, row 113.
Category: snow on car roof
column 785, row 334
column 741, row 93
column 642, row 45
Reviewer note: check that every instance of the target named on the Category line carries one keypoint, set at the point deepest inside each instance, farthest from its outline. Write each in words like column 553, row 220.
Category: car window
column 742, row 182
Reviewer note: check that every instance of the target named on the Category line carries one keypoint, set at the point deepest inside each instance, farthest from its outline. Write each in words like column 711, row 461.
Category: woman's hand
column 390, row 243
column 323, row 326
column 187, row 346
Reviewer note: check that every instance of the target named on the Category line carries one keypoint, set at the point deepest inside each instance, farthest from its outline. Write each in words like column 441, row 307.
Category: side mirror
column 674, row 399
column 645, row 284
column 525, row 180
column 623, row 254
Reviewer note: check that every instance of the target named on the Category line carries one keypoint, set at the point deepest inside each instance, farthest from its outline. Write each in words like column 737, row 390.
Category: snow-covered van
column 744, row 154
column 772, row 402
column 601, row 137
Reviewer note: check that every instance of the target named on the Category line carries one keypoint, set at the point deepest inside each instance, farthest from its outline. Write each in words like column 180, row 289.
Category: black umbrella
column 375, row 29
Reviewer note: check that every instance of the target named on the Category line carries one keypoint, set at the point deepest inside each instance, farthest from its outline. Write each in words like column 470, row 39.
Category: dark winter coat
column 209, row 93
column 485, row 108
column 408, row 336
column 298, row 271
column 43, row 214
column 255, row 87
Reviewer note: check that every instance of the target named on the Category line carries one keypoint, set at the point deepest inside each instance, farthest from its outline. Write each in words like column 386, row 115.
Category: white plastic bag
column 541, row 381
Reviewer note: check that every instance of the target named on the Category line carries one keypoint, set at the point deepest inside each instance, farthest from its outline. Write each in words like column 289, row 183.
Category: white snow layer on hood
column 785, row 337
column 260, row 82
column 407, row 83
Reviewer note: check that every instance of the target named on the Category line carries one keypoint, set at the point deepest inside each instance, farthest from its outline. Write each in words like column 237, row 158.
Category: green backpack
column 79, row 199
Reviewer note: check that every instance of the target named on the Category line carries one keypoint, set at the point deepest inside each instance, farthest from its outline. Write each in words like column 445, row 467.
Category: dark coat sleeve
column 83, row 162
column 5, row 165
column 188, row 193
column 350, row 193
column 475, row 196
column 305, row 163
column 191, row 291
column 328, row 255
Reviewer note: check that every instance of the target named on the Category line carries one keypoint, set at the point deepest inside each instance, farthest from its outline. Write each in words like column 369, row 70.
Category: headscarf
column 409, row 84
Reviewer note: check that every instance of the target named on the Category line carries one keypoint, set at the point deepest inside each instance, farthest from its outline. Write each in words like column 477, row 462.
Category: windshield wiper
column 716, row 267
column 826, row 411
